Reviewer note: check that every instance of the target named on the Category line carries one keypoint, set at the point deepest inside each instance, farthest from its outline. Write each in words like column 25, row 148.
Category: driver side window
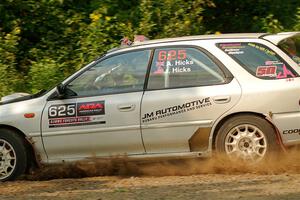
column 117, row 74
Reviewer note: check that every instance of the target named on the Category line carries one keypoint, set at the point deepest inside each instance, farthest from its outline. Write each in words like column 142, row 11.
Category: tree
column 9, row 77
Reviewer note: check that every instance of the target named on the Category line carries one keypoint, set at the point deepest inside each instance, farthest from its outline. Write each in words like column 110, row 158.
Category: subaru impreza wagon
column 236, row 94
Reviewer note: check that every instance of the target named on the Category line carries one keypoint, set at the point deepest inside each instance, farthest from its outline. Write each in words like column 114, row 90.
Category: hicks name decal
column 177, row 109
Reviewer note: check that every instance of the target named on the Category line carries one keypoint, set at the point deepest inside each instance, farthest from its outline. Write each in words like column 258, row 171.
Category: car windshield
column 291, row 46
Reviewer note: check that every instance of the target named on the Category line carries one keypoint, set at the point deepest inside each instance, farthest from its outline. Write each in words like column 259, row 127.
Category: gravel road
column 188, row 179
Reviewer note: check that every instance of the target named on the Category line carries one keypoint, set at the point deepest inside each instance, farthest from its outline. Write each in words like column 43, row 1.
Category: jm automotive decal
column 177, row 109
column 85, row 113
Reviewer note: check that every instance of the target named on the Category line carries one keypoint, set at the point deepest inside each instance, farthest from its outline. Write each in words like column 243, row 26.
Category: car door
column 188, row 89
column 100, row 113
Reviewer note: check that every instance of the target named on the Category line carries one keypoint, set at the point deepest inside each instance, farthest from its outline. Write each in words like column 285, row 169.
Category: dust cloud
column 285, row 162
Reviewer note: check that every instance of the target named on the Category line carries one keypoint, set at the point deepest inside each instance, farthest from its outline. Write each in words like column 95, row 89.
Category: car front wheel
column 13, row 157
column 246, row 137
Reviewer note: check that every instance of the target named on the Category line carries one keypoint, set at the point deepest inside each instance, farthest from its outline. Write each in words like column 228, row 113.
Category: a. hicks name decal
column 177, row 109
column 85, row 113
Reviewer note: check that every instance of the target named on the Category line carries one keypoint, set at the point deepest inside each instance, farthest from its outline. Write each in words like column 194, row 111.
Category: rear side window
column 259, row 60
column 183, row 67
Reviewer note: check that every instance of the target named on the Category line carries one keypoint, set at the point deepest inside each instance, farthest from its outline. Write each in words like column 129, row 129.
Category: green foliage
column 271, row 25
column 103, row 33
column 43, row 41
column 170, row 18
column 297, row 24
column 249, row 16
column 44, row 74
column 8, row 48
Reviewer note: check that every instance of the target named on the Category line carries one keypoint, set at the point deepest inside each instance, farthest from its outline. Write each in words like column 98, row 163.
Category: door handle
column 222, row 99
column 126, row 108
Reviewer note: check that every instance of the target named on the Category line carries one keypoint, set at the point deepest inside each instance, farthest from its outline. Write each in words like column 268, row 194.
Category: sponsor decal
column 292, row 131
column 269, row 71
column 90, row 108
column 76, row 124
column 232, row 48
column 285, row 73
column 261, row 48
column 69, row 120
column 271, row 62
column 234, row 51
column 63, row 115
column 176, row 109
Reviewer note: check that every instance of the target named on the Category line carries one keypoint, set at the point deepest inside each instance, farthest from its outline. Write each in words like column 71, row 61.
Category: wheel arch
column 33, row 157
column 224, row 119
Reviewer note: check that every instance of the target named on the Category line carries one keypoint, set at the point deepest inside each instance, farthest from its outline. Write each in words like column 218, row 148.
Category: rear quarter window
column 258, row 60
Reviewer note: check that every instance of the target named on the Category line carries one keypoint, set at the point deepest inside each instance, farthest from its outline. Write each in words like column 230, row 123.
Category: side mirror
column 60, row 90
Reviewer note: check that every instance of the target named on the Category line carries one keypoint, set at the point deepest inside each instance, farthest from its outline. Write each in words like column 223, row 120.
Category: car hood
column 16, row 97
column 13, row 96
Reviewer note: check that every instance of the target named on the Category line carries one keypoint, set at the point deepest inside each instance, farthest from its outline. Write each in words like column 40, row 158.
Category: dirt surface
column 119, row 178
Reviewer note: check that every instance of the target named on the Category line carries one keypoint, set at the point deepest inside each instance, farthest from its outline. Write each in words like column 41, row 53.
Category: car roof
column 274, row 38
column 194, row 37
column 203, row 37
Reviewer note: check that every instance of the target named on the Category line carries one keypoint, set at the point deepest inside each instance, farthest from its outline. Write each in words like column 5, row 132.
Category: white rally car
column 183, row 97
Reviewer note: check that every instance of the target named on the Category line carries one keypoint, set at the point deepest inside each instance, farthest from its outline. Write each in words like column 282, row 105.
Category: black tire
column 11, row 140
column 228, row 133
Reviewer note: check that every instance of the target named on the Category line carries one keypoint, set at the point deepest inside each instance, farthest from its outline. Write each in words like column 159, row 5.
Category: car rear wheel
column 13, row 156
column 246, row 137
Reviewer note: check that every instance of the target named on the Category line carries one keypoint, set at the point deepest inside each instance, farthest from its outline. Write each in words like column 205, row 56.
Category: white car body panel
column 159, row 138
column 30, row 127
column 120, row 133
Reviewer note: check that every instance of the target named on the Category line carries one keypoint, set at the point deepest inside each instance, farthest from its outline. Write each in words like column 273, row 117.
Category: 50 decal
column 62, row 110
column 270, row 71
